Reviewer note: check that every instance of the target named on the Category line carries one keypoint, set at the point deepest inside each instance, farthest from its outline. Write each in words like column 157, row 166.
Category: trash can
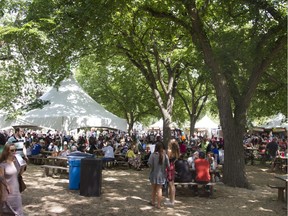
column 91, row 177
column 74, row 160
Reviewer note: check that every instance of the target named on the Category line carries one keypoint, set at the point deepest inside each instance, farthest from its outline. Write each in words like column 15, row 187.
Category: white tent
column 278, row 120
column 206, row 123
column 70, row 107
column 159, row 125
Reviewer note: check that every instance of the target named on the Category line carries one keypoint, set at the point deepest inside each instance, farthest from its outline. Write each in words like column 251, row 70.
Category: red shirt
column 202, row 168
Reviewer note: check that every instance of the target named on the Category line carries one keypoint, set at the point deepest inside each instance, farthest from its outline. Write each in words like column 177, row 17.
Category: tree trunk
column 234, row 164
column 192, row 125
column 166, row 130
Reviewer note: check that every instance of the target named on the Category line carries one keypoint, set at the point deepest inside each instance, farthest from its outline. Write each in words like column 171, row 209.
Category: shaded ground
column 127, row 192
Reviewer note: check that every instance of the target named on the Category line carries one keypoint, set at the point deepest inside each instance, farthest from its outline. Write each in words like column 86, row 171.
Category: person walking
column 18, row 140
column 158, row 162
column 11, row 200
column 272, row 149
column 173, row 153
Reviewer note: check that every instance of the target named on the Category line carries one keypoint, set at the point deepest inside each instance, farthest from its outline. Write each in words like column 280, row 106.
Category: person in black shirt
column 272, row 148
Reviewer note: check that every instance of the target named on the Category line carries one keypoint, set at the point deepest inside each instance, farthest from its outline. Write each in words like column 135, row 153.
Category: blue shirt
column 216, row 152
column 36, row 149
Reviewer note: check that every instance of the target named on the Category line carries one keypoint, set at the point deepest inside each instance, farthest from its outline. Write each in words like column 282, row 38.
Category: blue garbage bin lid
column 79, row 154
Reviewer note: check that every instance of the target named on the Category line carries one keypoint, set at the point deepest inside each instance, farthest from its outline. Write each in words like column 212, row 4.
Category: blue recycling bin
column 74, row 173
column 74, row 160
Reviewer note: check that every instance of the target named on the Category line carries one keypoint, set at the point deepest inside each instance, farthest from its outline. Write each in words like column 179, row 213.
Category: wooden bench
column 37, row 160
column 109, row 163
column 183, row 184
column 123, row 163
column 280, row 191
column 53, row 167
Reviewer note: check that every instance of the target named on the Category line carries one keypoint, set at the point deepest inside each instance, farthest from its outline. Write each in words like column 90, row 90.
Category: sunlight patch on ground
column 171, row 211
column 146, row 208
column 113, row 194
column 135, row 197
column 115, row 209
column 253, row 201
column 120, row 173
column 243, row 207
column 264, row 170
column 110, row 179
column 117, row 198
column 266, row 210
column 57, row 209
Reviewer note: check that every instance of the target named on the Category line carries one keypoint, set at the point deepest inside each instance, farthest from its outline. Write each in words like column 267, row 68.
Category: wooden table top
column 282, row 177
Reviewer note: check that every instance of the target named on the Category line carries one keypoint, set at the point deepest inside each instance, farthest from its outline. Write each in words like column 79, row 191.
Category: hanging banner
column 258, row 129
column 278, row 130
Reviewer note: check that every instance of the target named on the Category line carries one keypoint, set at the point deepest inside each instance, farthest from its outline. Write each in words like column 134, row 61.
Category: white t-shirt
column 108, row 152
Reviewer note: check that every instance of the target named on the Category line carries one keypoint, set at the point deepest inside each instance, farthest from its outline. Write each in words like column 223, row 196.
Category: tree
column 116, row 86
column 194, row 91
column 239, row 41
column 156, row 49
column 74, row 30
column 23, row 58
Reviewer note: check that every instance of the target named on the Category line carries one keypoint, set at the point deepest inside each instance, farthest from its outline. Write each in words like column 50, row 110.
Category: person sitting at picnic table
column 146, row 155
column 74, row 149
column 54, row 148
column 37, row 147
column 119, row 156
column 202, row 168
column 108, row 152
column 182, row 171
column 65, row 152
column 133, row 159
column 191, row 162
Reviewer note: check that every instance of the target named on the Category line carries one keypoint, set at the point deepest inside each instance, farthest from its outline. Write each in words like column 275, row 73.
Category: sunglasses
column 12, row 150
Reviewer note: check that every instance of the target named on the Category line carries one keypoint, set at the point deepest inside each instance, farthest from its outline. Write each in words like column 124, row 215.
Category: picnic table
column 285, row 179
column 55, row 164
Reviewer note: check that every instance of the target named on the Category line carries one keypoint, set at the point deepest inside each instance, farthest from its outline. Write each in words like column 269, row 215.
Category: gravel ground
column 127, row 192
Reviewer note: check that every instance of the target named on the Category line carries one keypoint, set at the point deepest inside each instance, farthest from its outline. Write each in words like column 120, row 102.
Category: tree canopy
column 239, row 46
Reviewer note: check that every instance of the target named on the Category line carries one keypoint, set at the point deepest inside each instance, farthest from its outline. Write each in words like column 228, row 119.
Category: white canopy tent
column 206, row 123
column 277, row 121
column 70, row 107
column 206, row 126
column 159, row 125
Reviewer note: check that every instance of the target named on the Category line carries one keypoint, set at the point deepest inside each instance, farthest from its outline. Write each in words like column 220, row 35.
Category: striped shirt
column 19, row 144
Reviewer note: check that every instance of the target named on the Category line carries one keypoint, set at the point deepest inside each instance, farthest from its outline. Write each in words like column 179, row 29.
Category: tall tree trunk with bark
column 193, row 120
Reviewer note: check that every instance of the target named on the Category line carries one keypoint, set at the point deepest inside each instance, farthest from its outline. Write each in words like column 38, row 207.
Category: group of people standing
column 163, row 164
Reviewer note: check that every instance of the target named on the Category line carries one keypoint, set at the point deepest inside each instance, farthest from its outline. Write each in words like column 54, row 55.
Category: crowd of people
column 266, row 147
column 183, row 160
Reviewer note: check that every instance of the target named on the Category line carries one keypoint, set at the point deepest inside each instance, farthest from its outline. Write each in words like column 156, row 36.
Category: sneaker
column 168, row 203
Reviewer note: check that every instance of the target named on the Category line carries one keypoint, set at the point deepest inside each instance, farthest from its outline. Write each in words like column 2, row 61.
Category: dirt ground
column 127, row 192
